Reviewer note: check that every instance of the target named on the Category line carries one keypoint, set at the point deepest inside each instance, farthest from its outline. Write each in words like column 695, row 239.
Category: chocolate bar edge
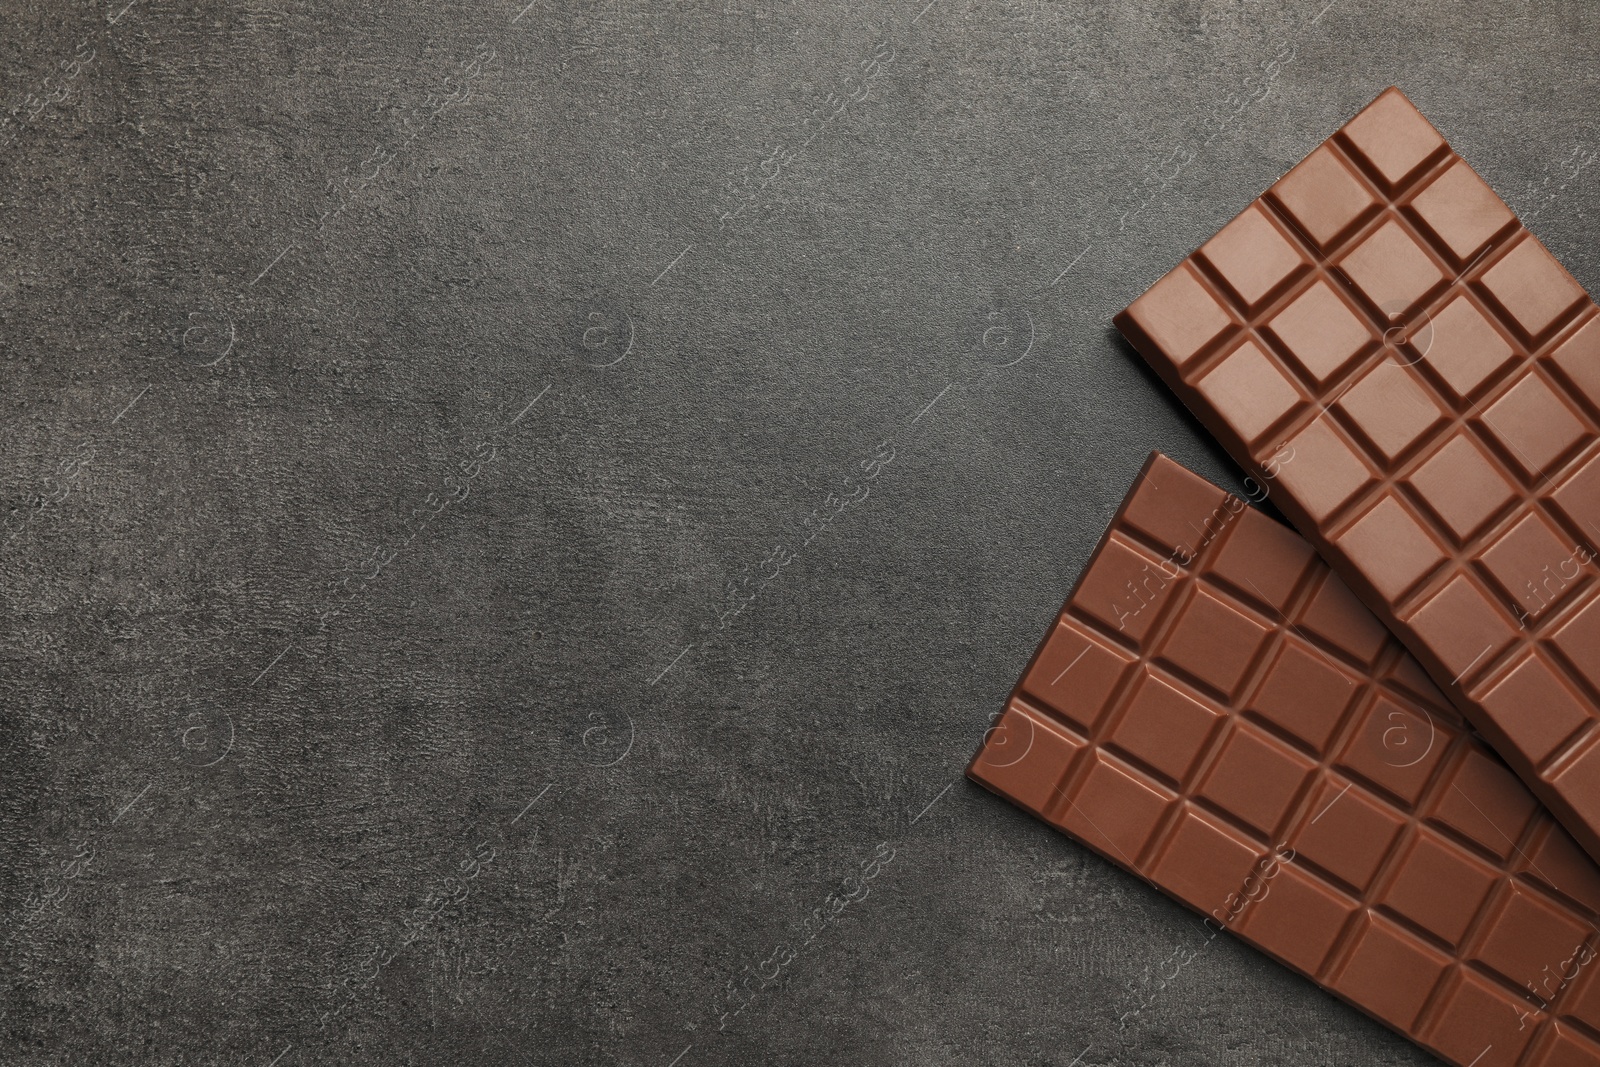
column 1150, row 461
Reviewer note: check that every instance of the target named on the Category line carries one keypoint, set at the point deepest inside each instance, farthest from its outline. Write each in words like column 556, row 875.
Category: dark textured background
column 350, row 718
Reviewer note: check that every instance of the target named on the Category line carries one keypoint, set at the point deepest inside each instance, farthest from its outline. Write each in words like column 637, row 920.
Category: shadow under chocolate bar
column 1217, row 713
column 1379, row 337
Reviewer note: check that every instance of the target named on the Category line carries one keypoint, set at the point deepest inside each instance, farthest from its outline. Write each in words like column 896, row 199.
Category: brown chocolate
column 1217, row 713
column 1417, row 381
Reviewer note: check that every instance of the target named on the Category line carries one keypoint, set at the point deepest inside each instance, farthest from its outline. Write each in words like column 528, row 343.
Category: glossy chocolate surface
column 1416, row 381
column 1217, row 713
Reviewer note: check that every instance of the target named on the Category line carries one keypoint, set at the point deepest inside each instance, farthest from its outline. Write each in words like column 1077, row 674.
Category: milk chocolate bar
column 1417, row 381
column 1217, row 713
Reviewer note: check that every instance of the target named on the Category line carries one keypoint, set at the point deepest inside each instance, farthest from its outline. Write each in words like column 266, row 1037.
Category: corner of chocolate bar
column 1177, row 317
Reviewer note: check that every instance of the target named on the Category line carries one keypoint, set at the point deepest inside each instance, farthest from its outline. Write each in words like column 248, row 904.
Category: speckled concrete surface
column 515, row 514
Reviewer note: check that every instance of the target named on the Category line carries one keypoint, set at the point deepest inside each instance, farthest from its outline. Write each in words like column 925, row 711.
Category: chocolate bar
column 1380, row 339
column 1217, row 713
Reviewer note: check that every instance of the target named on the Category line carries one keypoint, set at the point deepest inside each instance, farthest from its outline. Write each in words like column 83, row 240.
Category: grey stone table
column 517, row 514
